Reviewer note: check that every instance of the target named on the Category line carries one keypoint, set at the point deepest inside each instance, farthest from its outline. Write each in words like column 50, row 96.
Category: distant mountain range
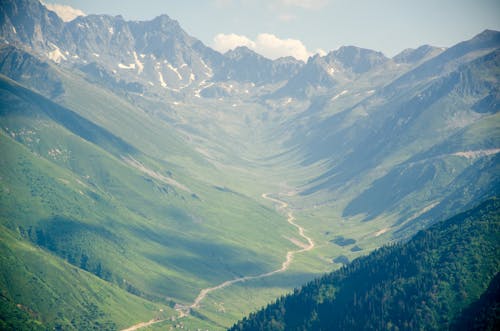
column 159, row 53
column 156, row 53
column 135, row 162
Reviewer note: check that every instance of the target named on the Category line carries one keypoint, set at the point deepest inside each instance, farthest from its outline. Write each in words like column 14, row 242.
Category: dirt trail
column 284, row 266
column 185, row 310
column 142, row 325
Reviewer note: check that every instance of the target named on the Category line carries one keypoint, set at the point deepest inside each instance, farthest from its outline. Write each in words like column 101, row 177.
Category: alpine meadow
column 149, row 181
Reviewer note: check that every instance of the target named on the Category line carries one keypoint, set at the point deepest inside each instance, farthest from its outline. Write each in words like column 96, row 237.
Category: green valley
column 150, row 182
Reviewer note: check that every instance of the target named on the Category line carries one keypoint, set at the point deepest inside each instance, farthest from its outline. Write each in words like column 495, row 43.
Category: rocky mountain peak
column 357, row 59
column 488, row 35
column 241, row 52
column 412, row 55
column 31, row 29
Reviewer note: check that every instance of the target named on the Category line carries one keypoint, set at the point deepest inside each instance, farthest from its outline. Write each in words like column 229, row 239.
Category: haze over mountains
column 143, row 171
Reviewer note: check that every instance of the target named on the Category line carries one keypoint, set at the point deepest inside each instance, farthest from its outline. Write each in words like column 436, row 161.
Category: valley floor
column 283, row 207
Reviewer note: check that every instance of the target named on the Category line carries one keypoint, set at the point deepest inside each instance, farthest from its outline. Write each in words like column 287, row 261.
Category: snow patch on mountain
column 124, row 66
column 56, row 55
column 209, row 71
column 477, row 153
column 139, row 64
column 339, row 95
column 162, row 81
column 169, row 66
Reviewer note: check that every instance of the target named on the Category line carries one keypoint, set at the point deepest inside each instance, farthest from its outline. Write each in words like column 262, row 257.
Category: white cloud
column 224, row 42
column 66, row 13
column 273, row 47
column 265, row 44
column 307, row 4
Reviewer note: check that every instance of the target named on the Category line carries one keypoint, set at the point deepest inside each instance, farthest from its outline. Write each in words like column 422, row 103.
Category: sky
column 302, row 28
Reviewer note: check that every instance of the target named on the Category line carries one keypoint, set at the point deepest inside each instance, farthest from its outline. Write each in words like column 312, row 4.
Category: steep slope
column 120, row 198
column 26, row 68
column 422, row 284
column 376, row 113
column 35, row 284
column 441, row 110
column 403, row 151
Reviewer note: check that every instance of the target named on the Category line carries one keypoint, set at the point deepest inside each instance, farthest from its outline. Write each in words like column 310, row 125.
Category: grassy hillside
column 82, row 193
column 41, row 291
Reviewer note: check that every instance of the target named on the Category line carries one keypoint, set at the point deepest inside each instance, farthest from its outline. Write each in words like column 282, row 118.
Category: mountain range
column 147, row 178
